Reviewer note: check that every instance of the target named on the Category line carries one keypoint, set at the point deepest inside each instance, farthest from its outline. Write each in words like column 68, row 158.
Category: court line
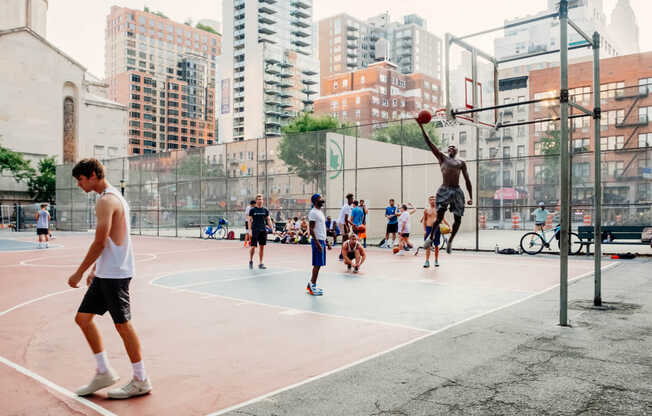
column 235, row 279
column 62, row 390
column 405, row 344
column 20, row 305
column 28, row 262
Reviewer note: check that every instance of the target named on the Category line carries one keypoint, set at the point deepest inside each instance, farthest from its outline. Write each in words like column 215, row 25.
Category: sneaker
column 355, row 269
column 348, row 267
column 251, row 265
column 383, row 245
column 427, row 243
column 313, row 290
column 46, row 245
column 100, row 381
column 131, row 389
column 426, row 264
column 436, row 263
column 262, row 266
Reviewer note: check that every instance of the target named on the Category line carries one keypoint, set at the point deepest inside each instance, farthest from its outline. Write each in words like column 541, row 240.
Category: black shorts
column 392, row 228
column 42, row 231
column 350, row 255
column 406, row 235
column 258, row 237
column 108, row 295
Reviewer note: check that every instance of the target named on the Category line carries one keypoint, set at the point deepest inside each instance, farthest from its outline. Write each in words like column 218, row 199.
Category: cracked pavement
column 516, row 361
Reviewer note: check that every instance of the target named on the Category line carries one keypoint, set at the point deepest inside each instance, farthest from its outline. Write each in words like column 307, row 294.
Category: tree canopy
column 15, row 163
column 42, row 187
column 407, row 133
column 206, row 28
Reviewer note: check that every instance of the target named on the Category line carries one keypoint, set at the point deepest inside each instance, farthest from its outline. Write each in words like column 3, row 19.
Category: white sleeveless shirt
column 42, row 219
column 117, row 262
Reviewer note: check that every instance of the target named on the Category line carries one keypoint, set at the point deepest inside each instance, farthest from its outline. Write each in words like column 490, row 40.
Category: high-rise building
column 268, row 72
column 377, row 94
column 618, row 38
column 347, row 43
column 164, row 72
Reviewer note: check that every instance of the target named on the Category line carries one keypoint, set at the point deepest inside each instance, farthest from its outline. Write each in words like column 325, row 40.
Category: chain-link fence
column 22, row 217
column 511, row 171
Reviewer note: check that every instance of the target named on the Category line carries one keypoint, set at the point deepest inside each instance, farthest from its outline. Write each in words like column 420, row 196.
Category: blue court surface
column 16, row 245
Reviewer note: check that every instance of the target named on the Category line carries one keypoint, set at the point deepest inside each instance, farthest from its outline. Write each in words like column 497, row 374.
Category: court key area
column 216, row 335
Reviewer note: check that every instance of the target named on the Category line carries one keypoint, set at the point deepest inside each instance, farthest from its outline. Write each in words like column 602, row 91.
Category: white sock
column 102, row 362
column 139, row 371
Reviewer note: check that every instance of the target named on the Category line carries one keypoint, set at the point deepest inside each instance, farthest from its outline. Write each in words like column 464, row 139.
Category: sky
column 77, row 27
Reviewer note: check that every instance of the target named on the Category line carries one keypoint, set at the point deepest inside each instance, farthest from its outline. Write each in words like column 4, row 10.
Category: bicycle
column 533, row 242
column 217, row 233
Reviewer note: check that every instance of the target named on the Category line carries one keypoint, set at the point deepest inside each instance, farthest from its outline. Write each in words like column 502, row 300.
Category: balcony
column 286, row 83
column 301, row 4
column 266, row 9
column 273, row 111
column 308, row 81
column 286, row 64
column 289, row 114
column 285, row 103
column 264, row 39
column 272, row 91
column 272, row 121
column 238, row 65
column 309, row 72
column 300, row 43
column 351, row 53
column 287, row 74
column 238, row 44
column 239, row 16
column 352, row 27
column 273, row 100
column 299, row 13
column 299, row 23
column 271, row 80
column 266, row 20
column 352, row 36
column 272, row 59
column 267, row 1
column 351, row 64
column 308, row 91
column 300, row 33
column 284, row 94
column 266, row 30
column 272, row 69
column 239, row 34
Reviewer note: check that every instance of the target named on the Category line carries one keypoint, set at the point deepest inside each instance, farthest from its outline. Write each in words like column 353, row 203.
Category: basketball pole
column 563, row 145
column 597, row 185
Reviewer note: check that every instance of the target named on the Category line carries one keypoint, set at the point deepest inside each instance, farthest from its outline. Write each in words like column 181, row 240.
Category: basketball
column 444, row 229
column 424, row 117
column 396, row 250
column 360, row 229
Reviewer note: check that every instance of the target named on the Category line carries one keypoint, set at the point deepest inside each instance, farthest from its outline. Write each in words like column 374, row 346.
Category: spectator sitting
column 304, row 231
column 332, row 230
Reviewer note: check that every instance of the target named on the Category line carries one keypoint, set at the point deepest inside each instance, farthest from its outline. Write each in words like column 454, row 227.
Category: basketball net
column 442, row 119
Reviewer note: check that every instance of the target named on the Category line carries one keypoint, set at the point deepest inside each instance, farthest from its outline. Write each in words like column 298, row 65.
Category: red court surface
column 216, row 335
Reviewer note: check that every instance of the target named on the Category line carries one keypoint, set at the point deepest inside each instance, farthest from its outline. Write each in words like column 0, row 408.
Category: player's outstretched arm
column 467, row 180
column 438, row 154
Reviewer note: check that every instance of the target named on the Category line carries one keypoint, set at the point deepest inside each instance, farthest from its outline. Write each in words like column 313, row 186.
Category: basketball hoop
column 441, row 118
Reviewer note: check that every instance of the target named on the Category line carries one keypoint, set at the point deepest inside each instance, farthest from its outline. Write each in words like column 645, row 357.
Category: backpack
column 231, row 235
column 507, row 251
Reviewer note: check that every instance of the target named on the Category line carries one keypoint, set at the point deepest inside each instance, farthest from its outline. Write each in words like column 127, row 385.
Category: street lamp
column 122, row 186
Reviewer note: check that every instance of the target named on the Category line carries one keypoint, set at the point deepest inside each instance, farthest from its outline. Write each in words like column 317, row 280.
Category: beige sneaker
column 100, row 381
column 131, row 389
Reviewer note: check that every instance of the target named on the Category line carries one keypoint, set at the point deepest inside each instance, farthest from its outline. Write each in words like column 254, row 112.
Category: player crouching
column 353, row 253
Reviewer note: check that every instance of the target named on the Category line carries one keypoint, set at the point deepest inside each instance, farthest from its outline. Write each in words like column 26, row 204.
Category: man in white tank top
column 112, row 258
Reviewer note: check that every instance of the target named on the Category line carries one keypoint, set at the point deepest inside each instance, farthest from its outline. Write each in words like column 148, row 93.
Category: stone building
column 50, row 105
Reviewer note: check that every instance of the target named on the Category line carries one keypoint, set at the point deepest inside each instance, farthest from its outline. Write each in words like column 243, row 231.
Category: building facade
column 165, row 73
column 347, row 43
column 618, row 38
column 268, row 72
column 50, row 106
column 626, row 135
column 377, row 94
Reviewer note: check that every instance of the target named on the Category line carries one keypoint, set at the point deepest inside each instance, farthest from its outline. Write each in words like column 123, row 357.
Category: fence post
column 402, row 141
column 201, row 173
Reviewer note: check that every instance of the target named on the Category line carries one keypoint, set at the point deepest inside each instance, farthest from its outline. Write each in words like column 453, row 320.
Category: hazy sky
column 77, row 27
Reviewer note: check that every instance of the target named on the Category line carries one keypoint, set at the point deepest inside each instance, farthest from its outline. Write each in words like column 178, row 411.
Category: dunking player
column 449, row 193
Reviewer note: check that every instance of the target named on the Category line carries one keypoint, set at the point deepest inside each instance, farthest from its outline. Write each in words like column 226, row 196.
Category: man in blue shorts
column 318, row 233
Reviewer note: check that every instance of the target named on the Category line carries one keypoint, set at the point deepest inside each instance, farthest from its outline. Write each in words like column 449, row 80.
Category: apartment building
column 164, row 72
column 377, row 94
column 347, row 43
column 626, row 134
column 268, row 72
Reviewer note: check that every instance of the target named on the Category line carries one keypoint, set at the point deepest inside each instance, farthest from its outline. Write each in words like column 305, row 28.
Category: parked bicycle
column 533, row 242
column 218, row 232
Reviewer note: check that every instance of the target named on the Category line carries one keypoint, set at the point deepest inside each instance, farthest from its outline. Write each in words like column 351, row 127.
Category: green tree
column 42, row 187
column 206, row 28
column 407, row 133
column 189, row 167
column 305, row 154
column 16, row 164
column 550, row 149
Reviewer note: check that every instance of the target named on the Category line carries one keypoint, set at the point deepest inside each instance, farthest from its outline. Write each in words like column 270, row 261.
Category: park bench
column 622, row 234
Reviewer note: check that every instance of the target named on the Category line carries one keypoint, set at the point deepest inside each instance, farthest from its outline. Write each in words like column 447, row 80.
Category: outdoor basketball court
column 216, row 335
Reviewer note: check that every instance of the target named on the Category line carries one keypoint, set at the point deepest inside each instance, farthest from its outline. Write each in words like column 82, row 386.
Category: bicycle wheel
column 574, row 244
column 221, row 233
column 532, row 243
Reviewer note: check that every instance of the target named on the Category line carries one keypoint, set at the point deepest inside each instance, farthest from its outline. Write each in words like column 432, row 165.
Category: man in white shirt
column 43, row 226
column 344, row 220
column 404, row 227
column 317, row 222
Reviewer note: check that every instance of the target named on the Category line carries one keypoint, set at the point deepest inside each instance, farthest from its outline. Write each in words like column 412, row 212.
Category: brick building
column 165, row 73
column 377, row 94
column 626, row 134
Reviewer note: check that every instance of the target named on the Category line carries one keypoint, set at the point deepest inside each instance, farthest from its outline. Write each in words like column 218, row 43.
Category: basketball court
column 217, row 335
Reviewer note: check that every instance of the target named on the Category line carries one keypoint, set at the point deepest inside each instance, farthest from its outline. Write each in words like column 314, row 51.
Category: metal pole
column 402, row 141
column 201, row 210
column 475, row 117
column 597, row 181
column 447, row 91
column 563, row 255
column 176, row 192
column 502, row 179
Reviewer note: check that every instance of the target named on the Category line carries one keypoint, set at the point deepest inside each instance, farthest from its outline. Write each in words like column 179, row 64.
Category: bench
column 619, row 232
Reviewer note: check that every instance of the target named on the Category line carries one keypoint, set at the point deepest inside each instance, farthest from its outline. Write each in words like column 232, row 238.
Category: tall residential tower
column 165, row 73
column 268, row 72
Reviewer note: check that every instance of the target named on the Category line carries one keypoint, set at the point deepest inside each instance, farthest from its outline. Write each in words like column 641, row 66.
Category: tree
column 407, row 133
column 16, row 164
column 550, row 148
column 189, row 167
column 42, row 187
column 305, row 154
column 206, row 28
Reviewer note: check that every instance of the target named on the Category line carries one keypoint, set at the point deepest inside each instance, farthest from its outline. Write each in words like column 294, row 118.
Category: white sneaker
column 100, row 381
column 131, row 389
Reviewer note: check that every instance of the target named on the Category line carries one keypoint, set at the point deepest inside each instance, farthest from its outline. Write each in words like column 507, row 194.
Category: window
column 383, row 78
column 506, row 152
column 334, row 105
column 580, row 145
column 345, row 83
column 383, row 90
column 357, row 114
column 612, row 142
column 493, row 152
column 362, row 79
column 462, row 153
column 334, row 85
column 520, row 150
column 375, row 99
column 385, row 102
column 521, row 108
column 520, row 178
column 581, row 170
column 645, row 140
column 462, row 137
column 644, row 114
column 344, row 103
column 645, row 85
column 357, row 100
column 375, row 112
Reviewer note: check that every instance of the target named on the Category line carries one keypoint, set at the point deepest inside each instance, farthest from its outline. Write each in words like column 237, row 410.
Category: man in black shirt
column 257, row 218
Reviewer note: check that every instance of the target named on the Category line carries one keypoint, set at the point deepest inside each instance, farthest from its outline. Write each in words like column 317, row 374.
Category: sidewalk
column 515, row 361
